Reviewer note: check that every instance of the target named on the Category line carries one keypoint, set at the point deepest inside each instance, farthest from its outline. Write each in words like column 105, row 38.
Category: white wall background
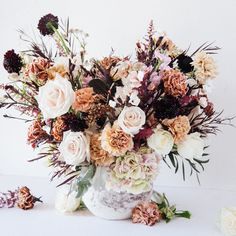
column 119, row 24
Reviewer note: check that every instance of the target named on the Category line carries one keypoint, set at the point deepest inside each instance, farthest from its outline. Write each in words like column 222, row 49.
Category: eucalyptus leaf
column 84, row 181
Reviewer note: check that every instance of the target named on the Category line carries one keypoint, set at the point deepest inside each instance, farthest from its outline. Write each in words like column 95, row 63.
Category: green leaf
column 84, row 181
column 177, row 165
column 183, row 170
column 172, row 159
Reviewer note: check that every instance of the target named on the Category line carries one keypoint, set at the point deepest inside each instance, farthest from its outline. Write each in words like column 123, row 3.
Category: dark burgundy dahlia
column 168, row 107
column 46, row 24
column 185, row 63
column 12, row 62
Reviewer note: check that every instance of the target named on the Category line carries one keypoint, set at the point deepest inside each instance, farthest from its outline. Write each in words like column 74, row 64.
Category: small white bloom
column 122, row 93
column 66, row 200
column 120, row 70
column 112, row 103
column 62, row 61
column 77, row 61
column 161, row 141
column 55, row 97
column 13, row 77
column 134, row 79
column 131, row 119
column 134, row 99
column 191, row 82
column 74, row 148
column 203, row 102
column 191, row 147
column 2, row 96
column 228, row 221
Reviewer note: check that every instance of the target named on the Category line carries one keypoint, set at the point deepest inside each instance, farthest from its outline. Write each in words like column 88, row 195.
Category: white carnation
column 191, row 147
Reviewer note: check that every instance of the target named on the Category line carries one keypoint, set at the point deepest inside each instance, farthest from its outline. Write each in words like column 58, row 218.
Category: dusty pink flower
column 146, row 213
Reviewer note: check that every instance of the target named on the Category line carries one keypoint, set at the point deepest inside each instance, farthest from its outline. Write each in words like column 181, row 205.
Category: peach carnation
column 58, row 128
column 146, row 213
column 179, row 127
column 38, row 68
column 174, row 83
column 59, row 69
column 115, row 141
column 84, row 99
column 99, row 156
column 36, row 133
column 108, row 62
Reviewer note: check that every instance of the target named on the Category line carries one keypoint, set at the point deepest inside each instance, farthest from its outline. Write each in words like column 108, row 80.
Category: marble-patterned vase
column 109, row 204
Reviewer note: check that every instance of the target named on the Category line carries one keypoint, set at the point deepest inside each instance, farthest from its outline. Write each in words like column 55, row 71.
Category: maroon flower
column 12, row 62
column 46, row 24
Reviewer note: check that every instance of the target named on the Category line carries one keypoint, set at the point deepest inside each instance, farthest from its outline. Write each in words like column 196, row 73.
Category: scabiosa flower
column 167, row 107
column 185, row 63
column 45, row 23
column 12, row 62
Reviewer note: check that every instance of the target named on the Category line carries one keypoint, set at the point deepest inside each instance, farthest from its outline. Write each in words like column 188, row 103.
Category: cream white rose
column 191, row 147
column 228, row 221
column 74, row 148
column 55, row 97
column 66, row 200
column 161, row 141
column 131, row 119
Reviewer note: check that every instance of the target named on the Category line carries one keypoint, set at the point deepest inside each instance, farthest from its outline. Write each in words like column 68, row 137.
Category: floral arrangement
column 122, row 114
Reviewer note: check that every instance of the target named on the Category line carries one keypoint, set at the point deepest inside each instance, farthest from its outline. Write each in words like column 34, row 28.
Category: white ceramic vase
column 109, row 204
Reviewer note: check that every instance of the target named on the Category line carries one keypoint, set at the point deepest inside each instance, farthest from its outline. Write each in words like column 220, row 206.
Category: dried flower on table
column 21, row 198
column 146, row 213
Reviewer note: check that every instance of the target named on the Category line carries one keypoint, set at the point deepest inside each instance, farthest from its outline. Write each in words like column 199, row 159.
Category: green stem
column 184, row 214
column 67, row 50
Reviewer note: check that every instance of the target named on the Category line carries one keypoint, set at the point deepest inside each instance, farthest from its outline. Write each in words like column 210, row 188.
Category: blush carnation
column 146, row 213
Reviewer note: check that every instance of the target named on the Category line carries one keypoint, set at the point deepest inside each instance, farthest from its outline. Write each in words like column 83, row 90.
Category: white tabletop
column 44, row 220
